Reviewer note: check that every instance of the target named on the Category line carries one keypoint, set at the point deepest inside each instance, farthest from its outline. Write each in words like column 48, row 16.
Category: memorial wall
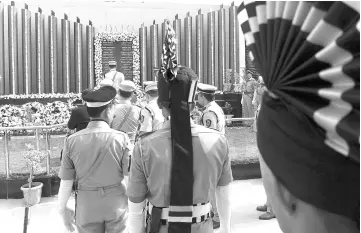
column 44, row 53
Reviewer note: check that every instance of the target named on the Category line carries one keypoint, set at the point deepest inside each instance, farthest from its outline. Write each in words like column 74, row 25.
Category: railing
column 37, row 136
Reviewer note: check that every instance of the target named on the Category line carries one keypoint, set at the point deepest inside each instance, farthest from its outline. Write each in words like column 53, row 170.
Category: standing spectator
column 257, row 99
column 248, row 87
column 79, row 117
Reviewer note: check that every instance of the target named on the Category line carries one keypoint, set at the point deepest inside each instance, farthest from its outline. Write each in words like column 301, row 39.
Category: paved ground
column 246, row 195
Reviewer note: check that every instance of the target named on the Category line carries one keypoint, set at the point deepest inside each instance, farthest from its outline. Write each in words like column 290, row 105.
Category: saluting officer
column 127, row 115
column 97, row 159
column 151, row 115
column 179, row 167
column 113, row 75
column 213, row 115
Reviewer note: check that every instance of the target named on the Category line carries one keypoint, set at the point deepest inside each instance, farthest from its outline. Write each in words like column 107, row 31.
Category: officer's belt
column 85, row 188
column 186, row 214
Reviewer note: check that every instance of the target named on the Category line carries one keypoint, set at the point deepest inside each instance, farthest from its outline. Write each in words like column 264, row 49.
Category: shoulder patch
column 208, row 123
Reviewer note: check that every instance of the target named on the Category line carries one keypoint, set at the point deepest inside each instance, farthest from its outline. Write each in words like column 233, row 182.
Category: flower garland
column 35, row 113
column 112, row 37
column 42, row 96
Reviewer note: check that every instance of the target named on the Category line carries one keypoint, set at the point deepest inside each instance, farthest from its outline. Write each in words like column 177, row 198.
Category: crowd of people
column 136, row 170
column 116, row 139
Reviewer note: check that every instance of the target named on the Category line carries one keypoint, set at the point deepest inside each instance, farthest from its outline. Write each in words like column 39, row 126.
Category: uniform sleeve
column 137, row 184
column 226, row 174
column 145, row 121
column 210, row 120
column 123, row 151
column 67, row 169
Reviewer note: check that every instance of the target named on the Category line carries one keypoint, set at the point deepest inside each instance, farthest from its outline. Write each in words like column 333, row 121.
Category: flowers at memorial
column 41, row 96
column 35, row 113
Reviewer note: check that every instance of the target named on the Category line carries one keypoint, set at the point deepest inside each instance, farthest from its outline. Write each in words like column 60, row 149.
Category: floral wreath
column 112, row 37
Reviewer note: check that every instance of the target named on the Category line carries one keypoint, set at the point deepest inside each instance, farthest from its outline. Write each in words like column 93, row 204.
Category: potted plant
column 32, row 191
column 228, row 113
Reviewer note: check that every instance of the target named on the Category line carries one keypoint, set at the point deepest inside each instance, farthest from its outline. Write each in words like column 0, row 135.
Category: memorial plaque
column 107, row 55
column 121, row 52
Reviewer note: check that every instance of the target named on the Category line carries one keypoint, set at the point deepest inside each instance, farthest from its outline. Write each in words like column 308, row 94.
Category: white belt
column 197, row 211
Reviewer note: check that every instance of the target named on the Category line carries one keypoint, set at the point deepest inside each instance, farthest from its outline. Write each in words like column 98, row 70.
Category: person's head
column 182, row 88
column 248, row 76
column 311, row 186
column 126, row 89
column 205, row 93
column 112, row 65
column 260, row 80
column 100, row 103
column 84, row 93
column 151, row 91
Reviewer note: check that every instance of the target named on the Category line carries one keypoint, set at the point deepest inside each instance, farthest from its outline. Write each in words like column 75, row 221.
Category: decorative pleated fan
column 309, row 56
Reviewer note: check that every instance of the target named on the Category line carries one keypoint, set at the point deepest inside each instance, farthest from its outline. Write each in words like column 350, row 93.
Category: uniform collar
column 98, row 124
column 166, row 124
column 209, row 104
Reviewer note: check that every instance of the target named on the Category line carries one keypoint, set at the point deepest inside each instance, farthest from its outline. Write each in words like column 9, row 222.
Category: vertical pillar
column 78, row 54
column 66, row 53
column 222, row 45
column 90, row 33
column 154, row 48
column 53, row 52
column 2, row 55
column 143, row 53
column 211, row 49
column 13, row 48
column 27, row 49
column 188, row 40
column 199, row 35
column 233, row 39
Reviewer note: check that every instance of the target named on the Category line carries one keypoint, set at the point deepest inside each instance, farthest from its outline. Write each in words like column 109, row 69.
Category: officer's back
column 97, row 159
column 210, row 152
column 127, row 115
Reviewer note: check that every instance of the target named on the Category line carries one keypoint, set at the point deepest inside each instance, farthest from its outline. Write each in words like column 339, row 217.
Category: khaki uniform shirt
column 150, row 170
column 151, row 117
column 131, row 124
column 116, row 77
column 82, row 148
column 213, row 117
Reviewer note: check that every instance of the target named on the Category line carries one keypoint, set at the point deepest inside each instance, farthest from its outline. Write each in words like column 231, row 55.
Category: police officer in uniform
column 127, row 115
column 113, row 75
column 213, row 115
column 97, row 159
column 179, row 167
column 151, row 115
column 144, row 100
